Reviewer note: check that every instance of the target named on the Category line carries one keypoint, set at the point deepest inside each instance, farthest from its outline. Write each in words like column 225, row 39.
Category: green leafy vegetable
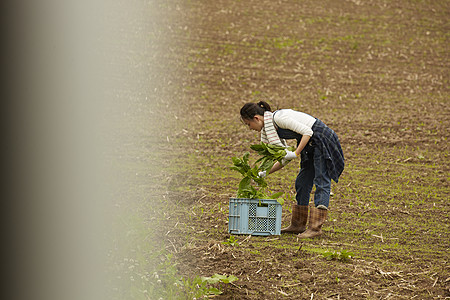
column 250, row 174
column 252, row 186
column 270, row 154
column 277, row 196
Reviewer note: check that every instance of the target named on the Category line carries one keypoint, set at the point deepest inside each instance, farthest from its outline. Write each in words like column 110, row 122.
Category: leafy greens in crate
column 270, row 154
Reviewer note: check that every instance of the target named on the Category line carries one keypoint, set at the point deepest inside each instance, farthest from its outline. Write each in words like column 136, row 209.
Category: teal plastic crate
column 254, row 216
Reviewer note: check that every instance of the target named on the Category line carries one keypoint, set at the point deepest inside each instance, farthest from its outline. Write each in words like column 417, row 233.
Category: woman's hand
column 290, row 155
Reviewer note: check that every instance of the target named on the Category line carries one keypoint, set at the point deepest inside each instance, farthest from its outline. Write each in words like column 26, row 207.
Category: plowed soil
column 376, row 72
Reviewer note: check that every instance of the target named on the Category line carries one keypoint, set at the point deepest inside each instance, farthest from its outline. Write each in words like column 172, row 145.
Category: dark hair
column 249, row 110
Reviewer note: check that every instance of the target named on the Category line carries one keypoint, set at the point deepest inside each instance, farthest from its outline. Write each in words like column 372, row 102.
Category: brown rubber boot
column 298, row 219
column 316, row 219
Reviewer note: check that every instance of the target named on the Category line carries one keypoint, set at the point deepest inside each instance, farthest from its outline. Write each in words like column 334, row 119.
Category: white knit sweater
column 294, row 120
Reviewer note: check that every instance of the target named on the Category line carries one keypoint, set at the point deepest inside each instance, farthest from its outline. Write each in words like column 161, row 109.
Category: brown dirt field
column 374, row 71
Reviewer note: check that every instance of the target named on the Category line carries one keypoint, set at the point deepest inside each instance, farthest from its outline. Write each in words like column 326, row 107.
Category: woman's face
column 257, row 123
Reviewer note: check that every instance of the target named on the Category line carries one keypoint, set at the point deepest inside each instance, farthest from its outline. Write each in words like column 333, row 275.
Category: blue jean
column 313, row 172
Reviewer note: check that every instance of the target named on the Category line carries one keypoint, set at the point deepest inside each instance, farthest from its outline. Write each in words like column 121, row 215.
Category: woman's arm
column 276, row 166
column 303, row 142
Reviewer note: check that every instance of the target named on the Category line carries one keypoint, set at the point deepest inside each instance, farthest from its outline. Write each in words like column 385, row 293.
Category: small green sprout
column 343, row 255
column 232, row 241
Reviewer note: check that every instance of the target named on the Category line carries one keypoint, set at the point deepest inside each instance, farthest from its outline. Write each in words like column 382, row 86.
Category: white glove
column 290, row 155
column 262, row 174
